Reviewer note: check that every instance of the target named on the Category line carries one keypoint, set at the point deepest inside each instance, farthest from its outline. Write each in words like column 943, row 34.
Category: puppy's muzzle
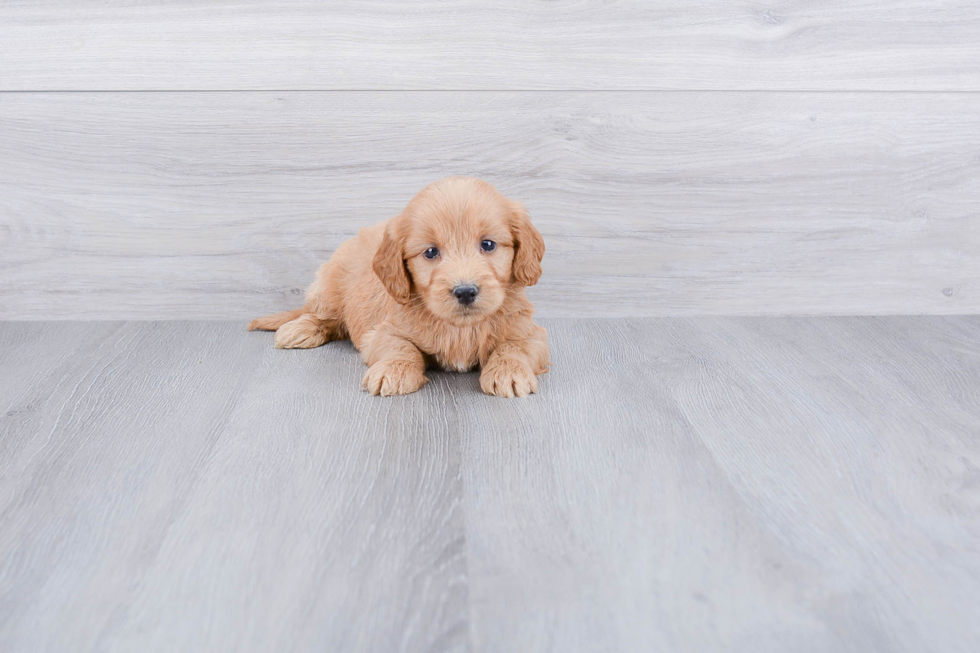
column 466, row 294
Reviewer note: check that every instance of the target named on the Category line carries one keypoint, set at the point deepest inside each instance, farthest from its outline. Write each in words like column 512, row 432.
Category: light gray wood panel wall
column 472, row 44
column 221, row 205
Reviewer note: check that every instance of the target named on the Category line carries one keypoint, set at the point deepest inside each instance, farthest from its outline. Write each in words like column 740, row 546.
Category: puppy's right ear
column 389, row 265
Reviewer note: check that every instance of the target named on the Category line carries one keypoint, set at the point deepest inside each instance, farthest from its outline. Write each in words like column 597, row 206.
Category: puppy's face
column 458, row 247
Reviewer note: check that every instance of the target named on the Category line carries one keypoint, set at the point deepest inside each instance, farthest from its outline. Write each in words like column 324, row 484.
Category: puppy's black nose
column 466, row 295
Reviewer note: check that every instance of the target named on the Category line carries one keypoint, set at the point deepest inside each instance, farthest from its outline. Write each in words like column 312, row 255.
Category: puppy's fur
column 398, row 306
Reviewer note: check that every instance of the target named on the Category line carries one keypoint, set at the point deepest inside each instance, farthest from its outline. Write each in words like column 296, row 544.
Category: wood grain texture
column 220, row 205
column 186, row 487
column 732, row 484
column 722, row 484
column 471, row 44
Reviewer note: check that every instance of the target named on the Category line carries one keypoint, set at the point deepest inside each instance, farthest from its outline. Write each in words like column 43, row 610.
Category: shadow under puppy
column 440, row 284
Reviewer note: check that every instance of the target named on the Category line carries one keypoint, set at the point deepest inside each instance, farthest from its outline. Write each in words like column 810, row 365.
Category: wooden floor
column 742, row 484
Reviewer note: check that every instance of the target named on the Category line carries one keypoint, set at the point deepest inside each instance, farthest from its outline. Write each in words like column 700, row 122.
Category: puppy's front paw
column 393, row 378
column 508, row 378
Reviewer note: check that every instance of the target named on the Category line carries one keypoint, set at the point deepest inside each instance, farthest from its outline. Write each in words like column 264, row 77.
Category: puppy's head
column 459, row 246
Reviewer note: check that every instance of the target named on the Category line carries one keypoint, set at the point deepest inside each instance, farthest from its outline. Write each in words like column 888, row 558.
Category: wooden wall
column 198, row 160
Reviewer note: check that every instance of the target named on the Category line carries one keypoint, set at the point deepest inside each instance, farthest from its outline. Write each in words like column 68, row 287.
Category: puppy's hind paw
column 393, row 378
column 508, row 378
column 304, row 332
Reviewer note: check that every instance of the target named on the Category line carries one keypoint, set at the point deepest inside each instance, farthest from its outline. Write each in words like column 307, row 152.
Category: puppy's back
column 347, row 286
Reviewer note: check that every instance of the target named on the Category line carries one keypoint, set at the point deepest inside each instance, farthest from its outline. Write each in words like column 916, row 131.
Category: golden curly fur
column 386, row 291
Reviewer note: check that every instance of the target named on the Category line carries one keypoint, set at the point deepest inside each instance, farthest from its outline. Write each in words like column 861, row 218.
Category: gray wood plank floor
column 738, row 484
column 489, row 45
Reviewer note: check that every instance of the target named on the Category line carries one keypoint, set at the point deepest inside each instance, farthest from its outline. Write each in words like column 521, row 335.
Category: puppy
column 440, row 284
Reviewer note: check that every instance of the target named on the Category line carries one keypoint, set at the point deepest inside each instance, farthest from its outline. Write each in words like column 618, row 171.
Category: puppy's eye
column 488, row 245
column 432, row 252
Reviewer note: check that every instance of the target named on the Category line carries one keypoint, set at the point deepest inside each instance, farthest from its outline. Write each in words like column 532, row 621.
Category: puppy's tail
column 273, row 322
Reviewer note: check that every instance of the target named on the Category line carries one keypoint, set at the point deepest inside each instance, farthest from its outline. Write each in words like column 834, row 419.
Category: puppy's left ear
column 528, row 246
column 389, row 264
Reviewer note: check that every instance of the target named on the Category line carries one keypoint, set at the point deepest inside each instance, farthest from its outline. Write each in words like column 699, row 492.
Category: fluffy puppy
column 441, row 284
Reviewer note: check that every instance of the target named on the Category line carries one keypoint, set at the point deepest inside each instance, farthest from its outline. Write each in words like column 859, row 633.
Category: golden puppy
column 442, row 283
